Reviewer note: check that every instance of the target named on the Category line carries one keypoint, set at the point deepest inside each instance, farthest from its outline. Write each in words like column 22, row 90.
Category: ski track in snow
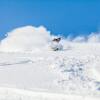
column 20, row 62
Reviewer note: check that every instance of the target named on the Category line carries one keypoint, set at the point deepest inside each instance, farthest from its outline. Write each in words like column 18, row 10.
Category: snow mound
column 26, row 38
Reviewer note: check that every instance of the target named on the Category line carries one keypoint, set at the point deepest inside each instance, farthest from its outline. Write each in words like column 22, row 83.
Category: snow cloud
column 92, row 38
column 30, row 38
column 26, row 38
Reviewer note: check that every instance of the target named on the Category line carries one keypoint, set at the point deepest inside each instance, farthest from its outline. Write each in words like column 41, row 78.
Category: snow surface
column 30, row 70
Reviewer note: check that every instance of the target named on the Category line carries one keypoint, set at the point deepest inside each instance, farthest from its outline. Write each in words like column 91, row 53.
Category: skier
column 55, row 44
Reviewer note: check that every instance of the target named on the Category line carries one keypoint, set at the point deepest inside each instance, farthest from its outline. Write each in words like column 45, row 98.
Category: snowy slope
column 31, row 70
column 17, row 94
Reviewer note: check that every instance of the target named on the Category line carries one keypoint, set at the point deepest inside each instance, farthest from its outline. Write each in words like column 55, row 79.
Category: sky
column 65, row 17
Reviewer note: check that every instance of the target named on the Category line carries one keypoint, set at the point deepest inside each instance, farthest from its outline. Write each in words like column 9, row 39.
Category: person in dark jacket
column 55, row 45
